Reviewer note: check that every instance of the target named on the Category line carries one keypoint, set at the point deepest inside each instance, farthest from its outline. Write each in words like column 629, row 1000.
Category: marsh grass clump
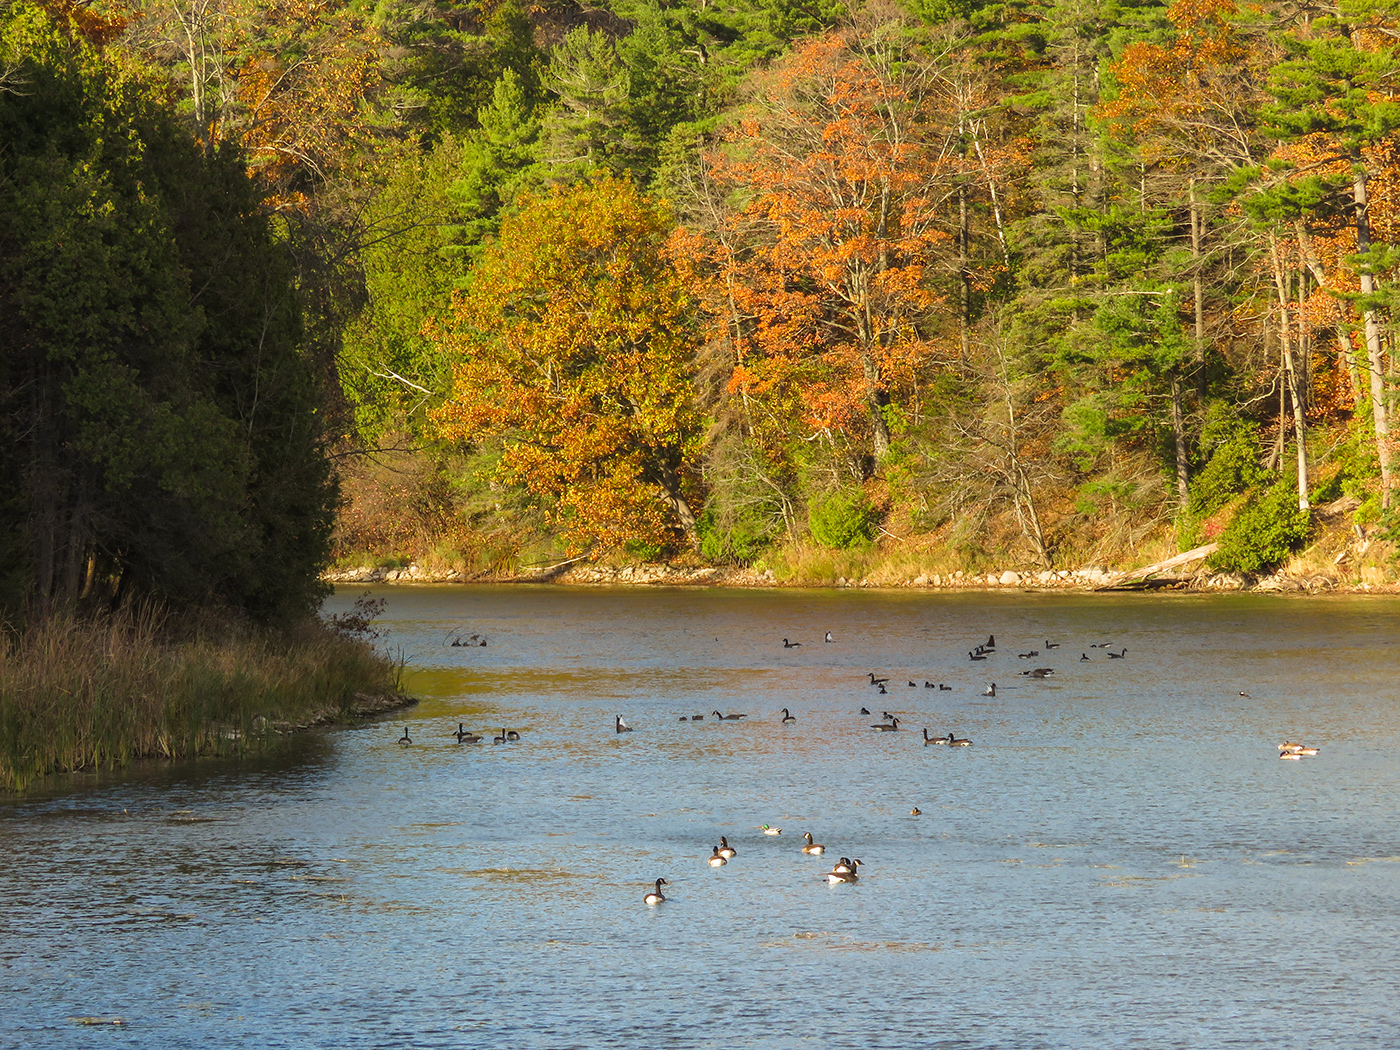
column 94, row 693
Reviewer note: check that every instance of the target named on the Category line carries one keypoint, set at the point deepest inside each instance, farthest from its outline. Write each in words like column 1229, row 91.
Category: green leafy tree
column 162, row 431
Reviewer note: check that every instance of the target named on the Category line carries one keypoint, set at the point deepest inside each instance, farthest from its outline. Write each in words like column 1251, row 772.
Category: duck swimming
column 770, row 831
column 655, row 896
column 813, row 848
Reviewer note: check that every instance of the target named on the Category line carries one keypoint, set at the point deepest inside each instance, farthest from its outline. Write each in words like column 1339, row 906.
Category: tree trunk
column 874, row 401
column 1198, row 295
column 1344, row 343
column 1285, row 331
column 1183, row 490
column 1375, row 360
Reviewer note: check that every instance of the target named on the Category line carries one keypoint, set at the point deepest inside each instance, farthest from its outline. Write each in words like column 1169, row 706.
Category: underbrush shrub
column 841, row 520
column 736, row 538
column 1266, row 530
column 1232, row 469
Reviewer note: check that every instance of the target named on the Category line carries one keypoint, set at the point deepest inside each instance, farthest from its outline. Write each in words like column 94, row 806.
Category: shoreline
column 1094, row 579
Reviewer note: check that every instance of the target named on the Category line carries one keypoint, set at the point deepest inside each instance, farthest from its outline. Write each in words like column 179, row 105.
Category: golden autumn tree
column 573, row 345
column 822, row 272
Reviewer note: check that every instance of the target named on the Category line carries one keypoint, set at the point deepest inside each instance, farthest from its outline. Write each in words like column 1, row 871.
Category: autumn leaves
column 803, row 276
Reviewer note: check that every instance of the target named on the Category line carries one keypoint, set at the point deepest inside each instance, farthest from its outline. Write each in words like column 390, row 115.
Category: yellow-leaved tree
column 574, row 344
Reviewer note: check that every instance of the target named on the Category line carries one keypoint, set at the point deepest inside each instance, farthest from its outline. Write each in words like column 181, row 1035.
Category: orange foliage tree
column 574, row 345
column 822, row 271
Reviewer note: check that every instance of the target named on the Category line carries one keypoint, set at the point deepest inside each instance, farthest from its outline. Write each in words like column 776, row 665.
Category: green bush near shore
column 82, row 694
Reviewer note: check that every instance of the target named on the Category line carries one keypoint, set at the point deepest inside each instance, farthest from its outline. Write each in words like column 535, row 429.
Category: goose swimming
column 787, row 718
column 725, row 849
column 656, row 897
column 622, row 727
column 892, row 726
column 813, row 848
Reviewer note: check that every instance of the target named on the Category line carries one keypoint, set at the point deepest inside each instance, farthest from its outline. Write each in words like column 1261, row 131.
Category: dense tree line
column 1050, row 277
column 162, row 429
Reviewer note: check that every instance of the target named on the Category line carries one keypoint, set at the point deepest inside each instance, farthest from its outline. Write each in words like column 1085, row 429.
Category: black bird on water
column 1118, row 656
column 828, row 637
column 404, row 739
column 975, row 656
column 791, row 645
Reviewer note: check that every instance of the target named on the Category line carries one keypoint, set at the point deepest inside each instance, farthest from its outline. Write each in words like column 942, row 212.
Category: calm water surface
column 1120, row 859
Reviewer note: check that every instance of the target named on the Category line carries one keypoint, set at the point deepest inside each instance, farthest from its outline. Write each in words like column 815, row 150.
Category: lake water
column 1119, row 860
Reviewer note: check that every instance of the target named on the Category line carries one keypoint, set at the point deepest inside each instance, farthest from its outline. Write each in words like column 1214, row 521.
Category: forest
column 490, row 284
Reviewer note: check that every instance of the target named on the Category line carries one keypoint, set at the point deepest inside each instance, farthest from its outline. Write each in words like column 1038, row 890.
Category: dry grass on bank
column 84, row 694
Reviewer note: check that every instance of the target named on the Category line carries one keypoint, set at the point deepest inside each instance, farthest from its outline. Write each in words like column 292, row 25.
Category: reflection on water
column 1120, row 859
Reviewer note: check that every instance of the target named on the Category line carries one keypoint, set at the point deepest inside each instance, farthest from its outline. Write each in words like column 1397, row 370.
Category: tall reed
column 87, row 694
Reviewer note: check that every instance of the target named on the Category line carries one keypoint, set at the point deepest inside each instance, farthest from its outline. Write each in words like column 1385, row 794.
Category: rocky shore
column 1088, row 578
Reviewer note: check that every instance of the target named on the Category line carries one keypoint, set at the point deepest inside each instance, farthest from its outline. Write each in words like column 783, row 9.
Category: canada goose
column 1051, row 645
column 1040, row 672
column 787, row 718
column 1100, row 645
column 864, row 711
column 697, row 718
column 499, row 739
column 1083, row 656
column 1293, row 755
column 915, row 811
column 828, row 637
column 512, row 735
column 770, row 831
column 833, row 877
column 813, row 848
column 961, row 741
column 791, row 645
column 404, row 739
column 1118, row 656
column 975, row 656
column 729, row 718
column 892, row 726
column 621, row 727
column 716, row 861
column 845, row 866
column 932, row 739
column 465, row 736
column 655, row 896
column 944, row 688
column 1028, row 656
column 991, row 641
column 874, row 680
column 725, row 849
column 1306, row 751
column 991, row 689
column 929, row 685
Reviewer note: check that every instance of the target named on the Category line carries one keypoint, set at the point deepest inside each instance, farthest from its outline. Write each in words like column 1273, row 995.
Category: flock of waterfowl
column 845, row 869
